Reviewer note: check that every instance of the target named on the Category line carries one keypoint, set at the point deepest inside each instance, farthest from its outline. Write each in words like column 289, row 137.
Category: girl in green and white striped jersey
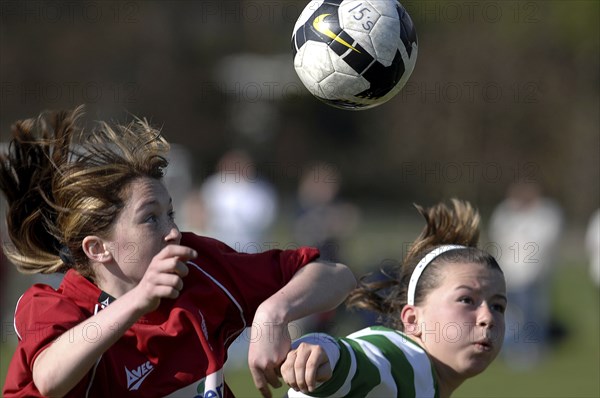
column 444, row 311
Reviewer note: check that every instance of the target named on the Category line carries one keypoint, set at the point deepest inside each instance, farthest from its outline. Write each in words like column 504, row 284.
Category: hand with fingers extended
column 164, row 276
column 269, row 345
column 306, row 366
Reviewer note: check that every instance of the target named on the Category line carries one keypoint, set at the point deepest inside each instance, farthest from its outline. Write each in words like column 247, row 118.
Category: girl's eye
column 172, row 215
column 466, row 300
column 151, row 218
column 499, row 307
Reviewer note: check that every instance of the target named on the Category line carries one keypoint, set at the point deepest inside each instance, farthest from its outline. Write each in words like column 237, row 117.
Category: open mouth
column 484, row 345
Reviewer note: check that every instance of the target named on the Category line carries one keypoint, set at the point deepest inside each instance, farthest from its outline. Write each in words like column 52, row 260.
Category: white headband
column 425, row 261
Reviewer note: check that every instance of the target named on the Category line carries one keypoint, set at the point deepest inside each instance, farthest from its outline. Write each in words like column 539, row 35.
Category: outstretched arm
column 316, row 287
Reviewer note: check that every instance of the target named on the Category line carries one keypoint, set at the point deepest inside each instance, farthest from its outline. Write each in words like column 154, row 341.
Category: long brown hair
column 63, row 184
column 457, row 224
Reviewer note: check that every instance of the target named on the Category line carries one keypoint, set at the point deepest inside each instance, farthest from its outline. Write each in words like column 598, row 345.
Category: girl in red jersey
column 143, row 308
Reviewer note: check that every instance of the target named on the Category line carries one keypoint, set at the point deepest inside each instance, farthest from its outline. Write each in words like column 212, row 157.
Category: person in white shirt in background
column 525, row 228
column 592, row 244
column 240, row 205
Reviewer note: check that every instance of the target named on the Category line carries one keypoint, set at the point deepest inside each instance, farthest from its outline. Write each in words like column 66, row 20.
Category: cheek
column 133, row 252
column 453, row 332
column 129, row 253
column 452, row 314
column 500, row 328
column 458, row 325
column 444, row 325
column 144, row 251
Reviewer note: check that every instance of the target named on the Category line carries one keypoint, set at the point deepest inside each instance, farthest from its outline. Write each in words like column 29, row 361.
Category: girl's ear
column 95, row 249
column 410, row 320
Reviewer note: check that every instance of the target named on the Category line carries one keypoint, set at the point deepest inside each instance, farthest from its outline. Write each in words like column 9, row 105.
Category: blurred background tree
column 501, row 90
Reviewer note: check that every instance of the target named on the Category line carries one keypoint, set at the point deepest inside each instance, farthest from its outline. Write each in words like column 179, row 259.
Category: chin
column 475, row 368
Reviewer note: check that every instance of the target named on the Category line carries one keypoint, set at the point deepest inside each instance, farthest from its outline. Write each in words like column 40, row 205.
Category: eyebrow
column 497, row 295
column 152, row 202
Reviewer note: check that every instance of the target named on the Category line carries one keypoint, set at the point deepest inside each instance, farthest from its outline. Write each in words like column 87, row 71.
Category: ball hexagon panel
column 384, row 8
column 341, row 85
column 386, row 35
column 317, row 65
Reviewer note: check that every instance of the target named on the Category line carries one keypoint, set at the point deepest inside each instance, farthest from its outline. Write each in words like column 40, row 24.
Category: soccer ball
column 354, row 54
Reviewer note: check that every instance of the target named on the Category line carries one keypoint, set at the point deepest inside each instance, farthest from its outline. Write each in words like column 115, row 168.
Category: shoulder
column 42, row 307
column 391, row 341
column 204, row 244
column 401, row 352
column 396, row 347
column 41, row 298
column 209, row 248
column 75, row 295
column 193, row 240
column 393, row 335
column 44, row 297
column 396, row 357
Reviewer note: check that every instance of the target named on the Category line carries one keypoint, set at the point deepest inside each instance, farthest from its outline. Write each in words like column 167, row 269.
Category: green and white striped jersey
column 376, row 362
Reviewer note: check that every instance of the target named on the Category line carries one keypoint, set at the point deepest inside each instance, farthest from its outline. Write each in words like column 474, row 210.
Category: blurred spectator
column 239, row 205
column 178, row 178
column 192, row 215
column 526, row 228
column 324, row 220
column 592, row 244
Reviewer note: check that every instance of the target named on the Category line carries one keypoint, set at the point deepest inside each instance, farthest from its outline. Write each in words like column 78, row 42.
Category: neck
column 115, row 285
column 447, row 379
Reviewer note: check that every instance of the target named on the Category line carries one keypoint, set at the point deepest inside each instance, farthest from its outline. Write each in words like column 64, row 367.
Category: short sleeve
column 251, row 278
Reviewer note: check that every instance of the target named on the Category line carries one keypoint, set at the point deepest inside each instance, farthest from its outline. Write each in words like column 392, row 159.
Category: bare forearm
column 314, row 288
column 317, row 287
column 67, row 360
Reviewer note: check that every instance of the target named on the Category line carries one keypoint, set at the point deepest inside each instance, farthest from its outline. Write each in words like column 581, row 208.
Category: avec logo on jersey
column 136, row 377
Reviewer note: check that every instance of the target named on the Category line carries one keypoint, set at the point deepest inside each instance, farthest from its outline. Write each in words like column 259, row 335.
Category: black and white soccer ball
column 354, row 54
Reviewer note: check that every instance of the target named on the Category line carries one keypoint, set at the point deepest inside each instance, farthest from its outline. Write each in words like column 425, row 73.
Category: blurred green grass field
column 572, row 368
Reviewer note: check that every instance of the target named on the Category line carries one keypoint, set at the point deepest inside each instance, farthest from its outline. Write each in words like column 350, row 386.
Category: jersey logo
column 105, row 303
column 322, row 27
column 136, row 377
column 105, row 299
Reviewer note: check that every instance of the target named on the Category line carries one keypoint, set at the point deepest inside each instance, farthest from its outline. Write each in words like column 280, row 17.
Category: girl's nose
column 174, row 235
column 485, row 317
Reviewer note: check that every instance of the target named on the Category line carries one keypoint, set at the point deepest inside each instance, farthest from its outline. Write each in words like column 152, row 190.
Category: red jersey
column 178, row 349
